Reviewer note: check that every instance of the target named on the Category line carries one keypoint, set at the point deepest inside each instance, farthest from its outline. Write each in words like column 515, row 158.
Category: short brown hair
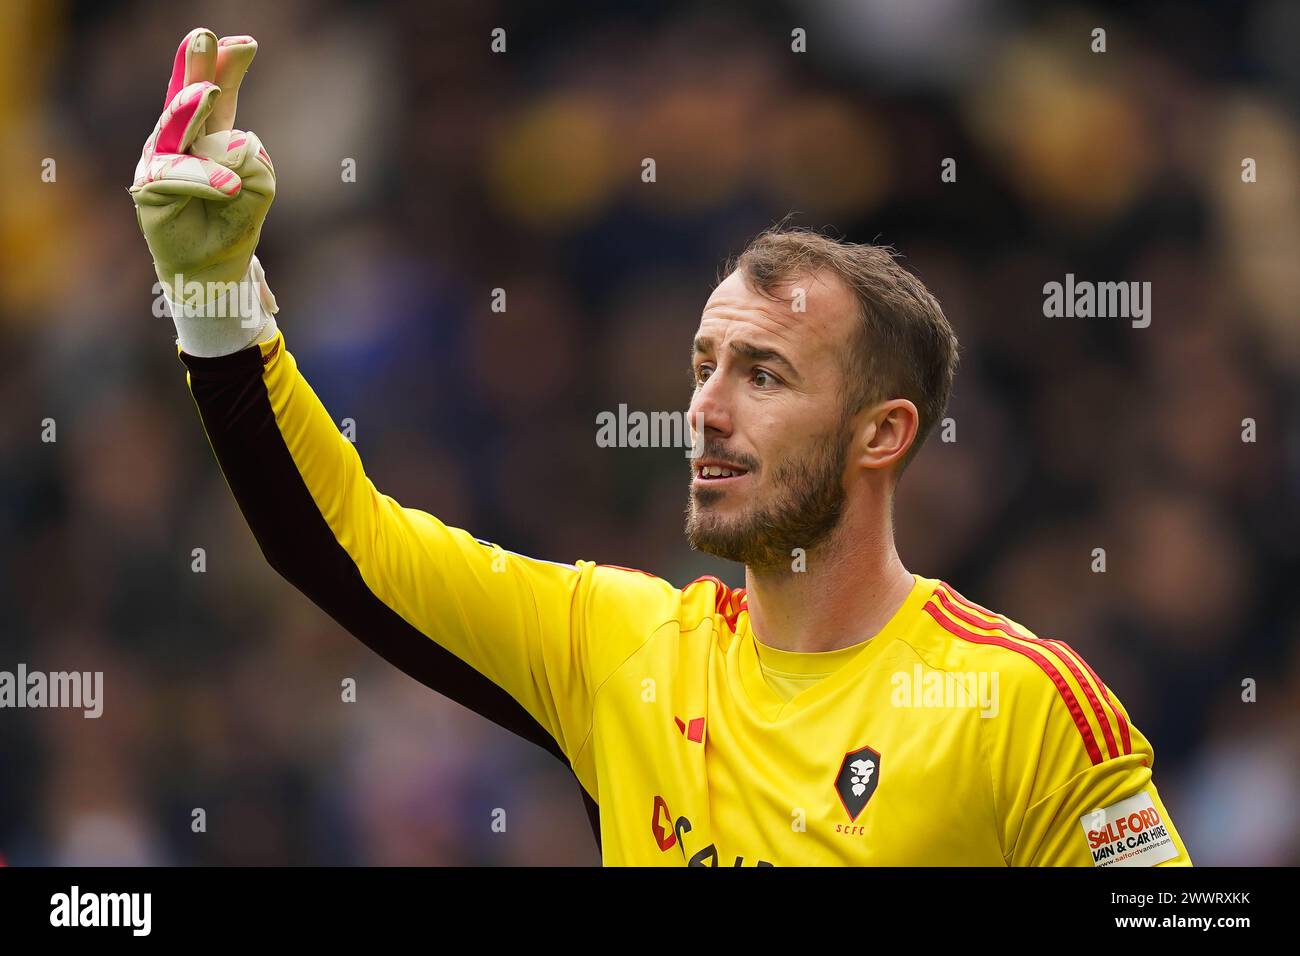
column 904, row 348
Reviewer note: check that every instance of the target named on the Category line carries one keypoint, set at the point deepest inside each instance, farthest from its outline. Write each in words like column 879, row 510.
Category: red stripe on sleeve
column 1001, row 625
column 1119, row 714
column 1071, row 702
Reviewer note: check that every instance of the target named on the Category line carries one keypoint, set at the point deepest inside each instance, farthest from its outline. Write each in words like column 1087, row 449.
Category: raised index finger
column 196, row 61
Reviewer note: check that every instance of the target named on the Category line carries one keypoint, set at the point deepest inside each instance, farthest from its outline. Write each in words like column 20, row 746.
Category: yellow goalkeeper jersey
column 954, row 736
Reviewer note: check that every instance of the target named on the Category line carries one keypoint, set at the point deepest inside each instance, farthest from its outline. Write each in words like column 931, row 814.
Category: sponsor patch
column 1128, row 833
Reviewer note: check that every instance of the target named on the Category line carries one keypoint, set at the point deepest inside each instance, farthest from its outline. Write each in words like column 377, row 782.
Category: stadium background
column 521, row 171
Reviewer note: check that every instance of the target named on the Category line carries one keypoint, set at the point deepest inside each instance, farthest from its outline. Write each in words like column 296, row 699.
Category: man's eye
column 702, row 374
column 763, row 378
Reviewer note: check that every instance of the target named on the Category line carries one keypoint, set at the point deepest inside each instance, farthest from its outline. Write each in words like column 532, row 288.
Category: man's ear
column 886, row 433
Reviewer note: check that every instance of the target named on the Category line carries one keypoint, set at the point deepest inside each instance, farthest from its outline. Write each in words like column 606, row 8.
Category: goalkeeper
column 838, row 709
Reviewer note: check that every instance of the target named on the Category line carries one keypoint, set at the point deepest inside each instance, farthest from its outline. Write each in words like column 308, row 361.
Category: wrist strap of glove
column 229, row 323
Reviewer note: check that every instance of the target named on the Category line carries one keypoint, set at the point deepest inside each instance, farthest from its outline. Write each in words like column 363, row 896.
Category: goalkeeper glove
column 202, row 190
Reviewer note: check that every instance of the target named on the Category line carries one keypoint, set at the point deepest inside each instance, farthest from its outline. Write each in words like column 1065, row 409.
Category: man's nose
column 710, row 409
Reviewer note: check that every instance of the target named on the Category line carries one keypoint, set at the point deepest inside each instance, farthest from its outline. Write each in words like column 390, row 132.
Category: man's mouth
column 718, row 473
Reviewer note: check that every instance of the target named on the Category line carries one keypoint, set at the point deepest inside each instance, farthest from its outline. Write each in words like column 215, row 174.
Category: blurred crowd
column 522, row 171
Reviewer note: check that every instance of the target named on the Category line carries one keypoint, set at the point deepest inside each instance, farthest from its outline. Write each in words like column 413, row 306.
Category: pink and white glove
column 202, row 190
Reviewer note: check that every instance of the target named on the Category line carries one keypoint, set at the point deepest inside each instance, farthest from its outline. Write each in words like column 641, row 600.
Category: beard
column 809, row 504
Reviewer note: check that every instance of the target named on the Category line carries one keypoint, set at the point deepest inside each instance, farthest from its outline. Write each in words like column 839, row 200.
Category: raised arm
column 507, row 636
column 498, row 632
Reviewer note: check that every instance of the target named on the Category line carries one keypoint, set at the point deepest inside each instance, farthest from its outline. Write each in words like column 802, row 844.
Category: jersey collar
column 746, row 671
